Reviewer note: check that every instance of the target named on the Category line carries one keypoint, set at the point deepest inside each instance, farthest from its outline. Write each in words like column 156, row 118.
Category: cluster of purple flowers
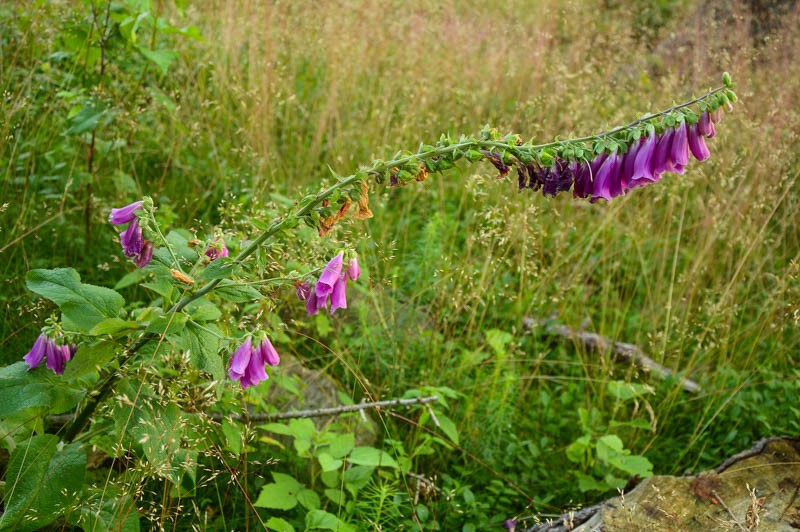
column 609, row 175
column 57, row 355
column 217, row 249
column 248, row 363
column 331, row 285
column 133, row 242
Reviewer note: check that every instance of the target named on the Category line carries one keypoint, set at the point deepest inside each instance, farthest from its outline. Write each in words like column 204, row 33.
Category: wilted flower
column 217, row 249
column 143, row 258
column 497, row 160
column 57, row 355
column 248, row 363
column 125, row 214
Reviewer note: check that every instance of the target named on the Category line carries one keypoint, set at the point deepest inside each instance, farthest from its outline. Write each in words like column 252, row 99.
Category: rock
column 758, row 489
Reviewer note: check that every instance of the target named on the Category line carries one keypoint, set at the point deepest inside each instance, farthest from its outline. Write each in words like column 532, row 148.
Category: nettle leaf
column 203, row 342
column 83, row 305
column 237, row 292
column 42, row 481
column 369, row 456
column 281, row 494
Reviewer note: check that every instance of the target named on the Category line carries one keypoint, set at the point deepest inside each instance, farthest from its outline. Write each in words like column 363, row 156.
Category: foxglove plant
column 56, row 355
column 602, row 166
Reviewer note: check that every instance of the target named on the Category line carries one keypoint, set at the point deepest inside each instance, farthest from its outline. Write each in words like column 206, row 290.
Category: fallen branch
column 277, row 416
column 596, row 342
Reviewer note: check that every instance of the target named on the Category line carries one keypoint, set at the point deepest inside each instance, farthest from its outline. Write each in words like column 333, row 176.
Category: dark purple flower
column 132, row 239
column 583, row 180
column 256, row 370
column 338, row 295
column 558, row 178
column 311, row 305
column 125, row 214
column 497, row 160
column 607, row 184
column 679, row 148
column 268, row 353
column 697, row 143
column 143, row 258
column 643, row 165
column 661, row 160
column 37, row 352
column 217, row 249
column 353, row 269
column 237, row 367
column 510, row 524
column 329, row 277
column 629, row 164
column 303, row 291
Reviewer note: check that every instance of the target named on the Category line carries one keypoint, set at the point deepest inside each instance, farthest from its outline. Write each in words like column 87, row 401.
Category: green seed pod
column 726, row 80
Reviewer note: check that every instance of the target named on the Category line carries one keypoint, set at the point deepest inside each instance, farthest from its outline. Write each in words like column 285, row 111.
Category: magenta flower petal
column 311, row 305
column 125, row 214
column 697, row 143
column 353, row 269
column 132, row 239
column 329, row 277
column 629, row 164
column 661, row 160
column 643, row 165
column 256, row 371
column 679, row 147
column 606, row 183
column 37, row 352
column 240, row 360
column 303, row 291
column 705, row 125
column 56, row 358
column 583, row 181
column 269, row 354
column 338, row 296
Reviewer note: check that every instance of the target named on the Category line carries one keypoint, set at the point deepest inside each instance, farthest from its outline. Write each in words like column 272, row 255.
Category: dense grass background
column 702, row 270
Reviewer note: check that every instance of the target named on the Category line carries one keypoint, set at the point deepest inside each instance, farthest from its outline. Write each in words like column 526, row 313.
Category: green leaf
column 203, row 343
column 633, row 465
column 237, row 292
column 162, row 58
column 448, row 427
column 107, row 510
column 308, row 499
column 281, row 494
column 328, row 463
column 342, row 444
column 113, row 326
column 357, row 477
column 337, row 496
column 579, row 450
column 498, row 340
column 279, row 525
column 203, row 310
column 326, row 521
column 608, row 446
column 87, row 119
column 629, row 390
column 42, row 480
column 369, row 456
column 587, row 483
column 221, row 268
column 168, row 323
column 89, row 359
column 83, row 305
column 233, row 436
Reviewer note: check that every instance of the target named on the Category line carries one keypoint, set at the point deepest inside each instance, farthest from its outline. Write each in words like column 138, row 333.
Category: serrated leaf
column 203, row 344
column 369, row 456
column 41, row 482
column 342, row 444
column 237, row 292
column 82, row 305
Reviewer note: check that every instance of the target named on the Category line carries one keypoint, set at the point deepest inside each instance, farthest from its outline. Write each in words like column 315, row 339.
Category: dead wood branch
column 601, row 344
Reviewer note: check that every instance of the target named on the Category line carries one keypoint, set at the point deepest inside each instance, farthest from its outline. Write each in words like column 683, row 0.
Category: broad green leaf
column 279, row 525
column 116, row 512
column 113, row 326
column 168, row 323
column 342, row 444
column 308, row 499
column 498, row 340
column 233, row 436
column 162, row 58
column 90, row 358
column 83, row 305
column 579, row 450
column 608, row 446
column 629, row 390
column 448, row 427
column 42, row 481
column 202, row 342
column 328, row 463
column 337, row 496
column 319, row 519
column 237, row 292
column 281, row 494
column 87, row 119
column 587, row 483
column 218, row 269
column 633, row 465
column 203, row 310
column 369, row 456
column 357, row 477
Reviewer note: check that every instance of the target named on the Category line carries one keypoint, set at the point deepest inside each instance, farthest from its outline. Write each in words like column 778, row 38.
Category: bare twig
column 716, row 496
column 277, row 416
column 596, row 342
column 755, row 450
